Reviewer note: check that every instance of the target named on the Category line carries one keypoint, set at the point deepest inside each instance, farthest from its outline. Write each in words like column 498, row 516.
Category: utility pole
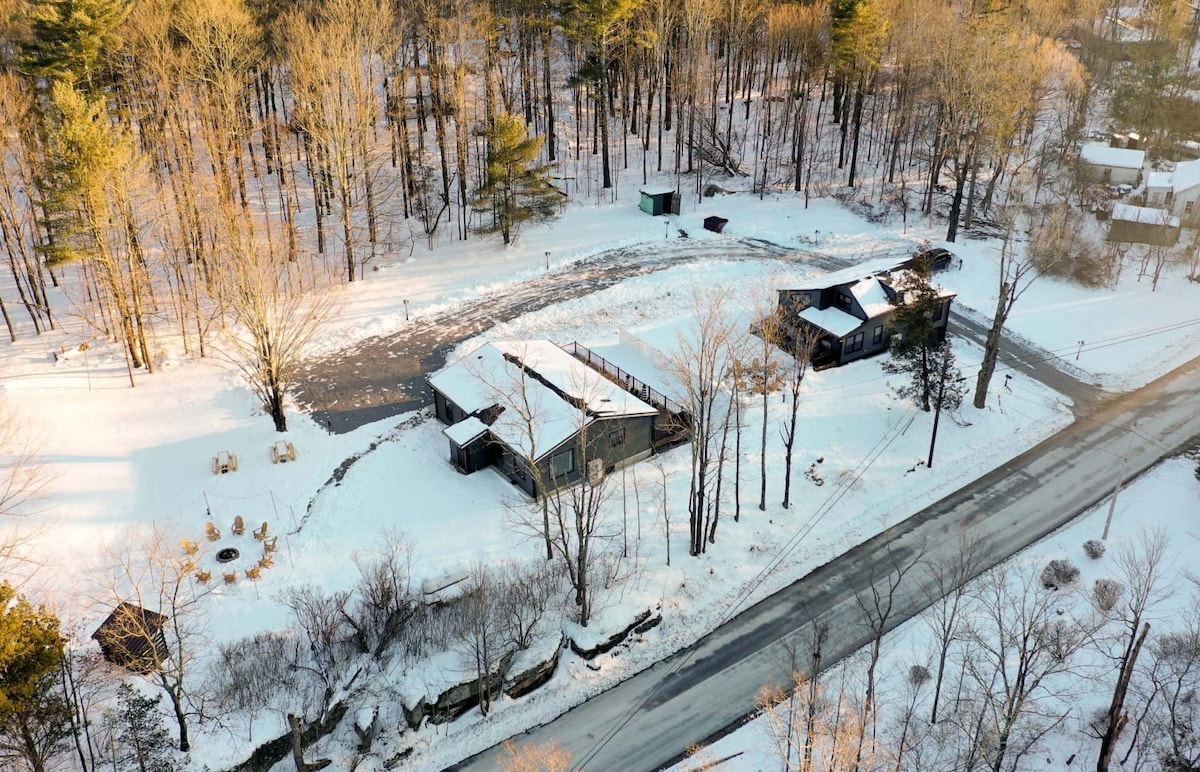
column 1112, row 503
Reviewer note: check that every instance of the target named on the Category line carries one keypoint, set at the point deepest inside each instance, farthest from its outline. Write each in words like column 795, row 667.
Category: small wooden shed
column 132, row 637
column 1143, row 225
column 656, row 201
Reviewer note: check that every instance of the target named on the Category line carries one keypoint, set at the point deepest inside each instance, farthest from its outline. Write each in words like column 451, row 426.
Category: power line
column 889, row 436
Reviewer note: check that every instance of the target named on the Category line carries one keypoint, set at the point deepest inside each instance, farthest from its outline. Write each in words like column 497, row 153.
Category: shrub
column 918, row 675
column 1094, row 548
column 1106, row 593
column 1059, row 573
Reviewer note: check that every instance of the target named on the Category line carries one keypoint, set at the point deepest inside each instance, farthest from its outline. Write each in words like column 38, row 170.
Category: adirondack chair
column 239, row 526
column 231, row 577
column 187, row 566
column 203, row 576
column 270, row 544
column 189, row 547
column 261, row 533
column 211, row 530
column 266, row 561
column 253, row 572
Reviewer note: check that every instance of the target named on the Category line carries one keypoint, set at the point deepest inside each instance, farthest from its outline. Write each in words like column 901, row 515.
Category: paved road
column 384, row 376
column 648, row 720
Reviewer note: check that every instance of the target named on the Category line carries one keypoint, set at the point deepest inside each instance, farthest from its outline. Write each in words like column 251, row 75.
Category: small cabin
column 1112, row 165
column 656, row 201
column 132, row 637
column 1143, row 225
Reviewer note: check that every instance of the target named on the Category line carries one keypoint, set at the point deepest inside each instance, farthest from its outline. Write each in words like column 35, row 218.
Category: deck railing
column 632, row 384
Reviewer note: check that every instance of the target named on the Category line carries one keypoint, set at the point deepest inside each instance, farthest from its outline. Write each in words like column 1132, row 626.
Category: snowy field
column 123, row 461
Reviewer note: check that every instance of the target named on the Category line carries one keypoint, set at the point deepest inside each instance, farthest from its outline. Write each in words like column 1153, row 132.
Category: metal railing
column 630, row 382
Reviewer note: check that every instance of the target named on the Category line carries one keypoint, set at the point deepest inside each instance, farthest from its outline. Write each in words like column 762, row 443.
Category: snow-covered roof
column 832, row 320
column 466, row 431
column 1159, row 180
column 1144, row 214
column 872, row 296
column 1186, row 175
column 1101, row 154
column 489, row 376
column 657, row 191
column 854, row 272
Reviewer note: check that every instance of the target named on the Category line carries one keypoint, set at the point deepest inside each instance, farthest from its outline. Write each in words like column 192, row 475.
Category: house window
column 877, row 337
column 562, row 463
column 1188, row 207
column 616, row 437
column 854, row 343
column 842, row 301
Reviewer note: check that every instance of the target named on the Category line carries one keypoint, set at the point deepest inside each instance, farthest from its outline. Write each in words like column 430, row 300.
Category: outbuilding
column 132, row 637
column 1112, row 165
column 656, row 201
column 1143, row 225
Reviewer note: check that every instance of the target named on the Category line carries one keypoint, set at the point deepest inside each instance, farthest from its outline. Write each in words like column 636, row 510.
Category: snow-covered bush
column 1094, row 548
column 1059, row 573
column 1106, row 593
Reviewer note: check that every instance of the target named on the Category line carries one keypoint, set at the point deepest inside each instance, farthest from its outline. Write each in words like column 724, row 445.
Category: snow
column 1101, row 154
column 871, row 295
column 1144, row 214
column 124, row 462
column 863, row 270
column 1186, row 176
column 1165, row 499
column 465, row 431
column 832, row 320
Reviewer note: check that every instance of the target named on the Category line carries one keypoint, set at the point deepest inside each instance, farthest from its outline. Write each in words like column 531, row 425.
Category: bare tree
column 276, row 322
column 702, row 359
column 1140, row 566
column 147, row 572
column 1174, row 718
column 803, row 343
column 481, row 630
column 384, row 601
column 767, row 376
column 23, row 477
column 1020, row 644
column 951, row 601
column 321, row 617
column 878, row 605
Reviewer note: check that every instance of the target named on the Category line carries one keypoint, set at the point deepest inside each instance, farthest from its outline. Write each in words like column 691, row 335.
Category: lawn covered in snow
column 122, row 462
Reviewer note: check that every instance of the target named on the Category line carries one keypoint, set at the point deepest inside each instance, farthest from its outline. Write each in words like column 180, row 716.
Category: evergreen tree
column 515, row 190
column 68, row 36
column 913, row 331
column 33, row 715
column 141, row 741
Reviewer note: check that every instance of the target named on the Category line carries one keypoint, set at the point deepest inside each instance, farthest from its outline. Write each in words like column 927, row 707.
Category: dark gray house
column 848, row 310
column 539, row 415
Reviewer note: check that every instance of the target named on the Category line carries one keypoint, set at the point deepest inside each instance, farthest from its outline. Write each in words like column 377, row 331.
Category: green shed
column 656, row 201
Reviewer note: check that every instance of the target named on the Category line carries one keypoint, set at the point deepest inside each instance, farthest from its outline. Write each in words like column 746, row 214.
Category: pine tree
column 515, row 189
column 913, row 331
column 33, row 716
column 68, row 36
column 143, row 743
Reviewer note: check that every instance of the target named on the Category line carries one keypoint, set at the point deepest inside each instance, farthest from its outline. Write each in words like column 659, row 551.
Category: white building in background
column 1177, row 191
column 1112, row 165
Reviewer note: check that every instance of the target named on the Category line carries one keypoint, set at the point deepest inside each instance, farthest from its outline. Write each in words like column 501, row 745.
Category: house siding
column 638, row 444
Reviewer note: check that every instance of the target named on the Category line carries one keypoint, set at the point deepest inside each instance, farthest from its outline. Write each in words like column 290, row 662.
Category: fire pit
column 227, row 554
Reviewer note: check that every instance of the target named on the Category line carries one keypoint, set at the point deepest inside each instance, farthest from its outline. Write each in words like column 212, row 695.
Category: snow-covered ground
column 1166, row 499
column 122, row 460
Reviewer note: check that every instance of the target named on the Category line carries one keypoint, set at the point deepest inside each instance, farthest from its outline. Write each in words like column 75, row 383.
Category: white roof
column 872, row 297
column 465, row 431
column 1155, row 180
column 1186, row 175
column 657, row 191
column 854, row 272
column 485, row 378
column 1143, row 214
column 1101, row 154
column 832, row 320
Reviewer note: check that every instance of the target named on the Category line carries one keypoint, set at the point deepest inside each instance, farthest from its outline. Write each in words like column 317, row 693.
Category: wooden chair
column 270, row 544
column 231, row 577
column 189, row 547
column 203, row 576
column 239, row 526
column 187, row 566
column 253, row 572
column 261, row 533
column 282, row 452
column 211, row 530
column 266, row 561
